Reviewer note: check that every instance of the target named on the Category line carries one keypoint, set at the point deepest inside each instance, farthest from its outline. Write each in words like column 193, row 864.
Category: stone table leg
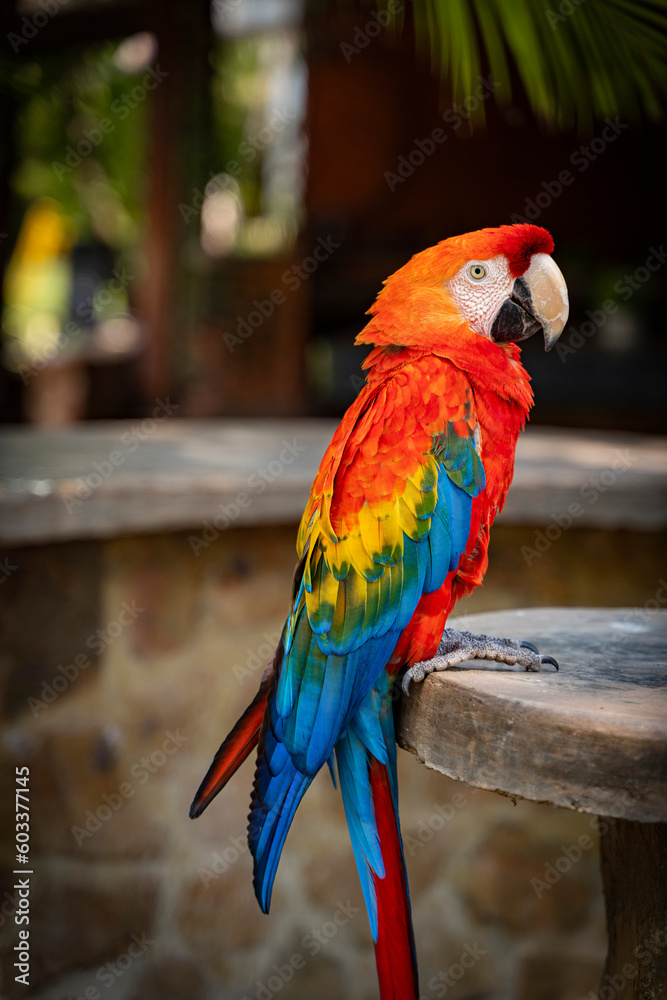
column 633, row 858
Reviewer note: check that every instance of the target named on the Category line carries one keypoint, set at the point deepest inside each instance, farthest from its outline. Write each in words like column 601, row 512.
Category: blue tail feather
column 358, row 800
column 278, row 789
column 371, row 732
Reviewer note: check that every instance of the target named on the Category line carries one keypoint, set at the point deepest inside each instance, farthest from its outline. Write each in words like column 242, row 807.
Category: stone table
column 592, row 737
column 106, row 479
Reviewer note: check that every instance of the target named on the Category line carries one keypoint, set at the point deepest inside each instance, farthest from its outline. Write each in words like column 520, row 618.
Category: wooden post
column 183, row 33
column 633, row 859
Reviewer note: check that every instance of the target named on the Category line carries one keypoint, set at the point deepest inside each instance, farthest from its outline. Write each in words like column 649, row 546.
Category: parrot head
column 501, row 284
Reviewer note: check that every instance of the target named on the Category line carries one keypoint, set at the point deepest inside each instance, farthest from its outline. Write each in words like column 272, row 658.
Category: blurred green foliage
column 237, row 99
column 62, row 100
column 258, row 99
column 577, row 60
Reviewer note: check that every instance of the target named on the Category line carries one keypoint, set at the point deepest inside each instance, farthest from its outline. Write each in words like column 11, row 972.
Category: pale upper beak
column 538, row 302
column 548, row 293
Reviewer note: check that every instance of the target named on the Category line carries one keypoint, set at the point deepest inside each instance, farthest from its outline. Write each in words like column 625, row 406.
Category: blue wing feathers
column 331, row 692
column 440, row 545
column 415, row 555
column 459, row 505
column 292, row 693
column 336, row 693
column 345, row 634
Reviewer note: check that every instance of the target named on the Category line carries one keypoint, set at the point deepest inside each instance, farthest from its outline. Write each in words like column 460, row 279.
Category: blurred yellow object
column 44, row 234
column 38, row 283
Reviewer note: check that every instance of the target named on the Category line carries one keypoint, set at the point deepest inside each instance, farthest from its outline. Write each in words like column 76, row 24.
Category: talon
column 456, row 647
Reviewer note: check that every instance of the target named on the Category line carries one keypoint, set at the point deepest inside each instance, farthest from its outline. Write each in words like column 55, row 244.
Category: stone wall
column 126, row 662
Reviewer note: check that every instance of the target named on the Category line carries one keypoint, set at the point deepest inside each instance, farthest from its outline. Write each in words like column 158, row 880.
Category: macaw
column 395, row 530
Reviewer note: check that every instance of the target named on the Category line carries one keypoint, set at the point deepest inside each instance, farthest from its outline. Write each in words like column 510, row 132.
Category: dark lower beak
column 515, row 320
column 538, row 302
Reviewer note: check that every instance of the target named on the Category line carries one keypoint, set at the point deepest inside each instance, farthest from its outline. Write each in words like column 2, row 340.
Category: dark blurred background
column 166, row 165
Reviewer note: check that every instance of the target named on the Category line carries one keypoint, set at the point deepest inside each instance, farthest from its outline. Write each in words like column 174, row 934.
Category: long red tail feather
column 395, row 947
column 238, row 745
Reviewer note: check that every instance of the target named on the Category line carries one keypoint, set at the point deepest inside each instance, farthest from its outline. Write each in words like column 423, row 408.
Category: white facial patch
column 479, row 289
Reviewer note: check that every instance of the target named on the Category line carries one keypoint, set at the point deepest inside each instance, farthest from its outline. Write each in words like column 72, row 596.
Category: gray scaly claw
column 456, row 647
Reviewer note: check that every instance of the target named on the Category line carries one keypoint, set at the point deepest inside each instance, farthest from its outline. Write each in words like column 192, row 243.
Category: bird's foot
column 455, row 647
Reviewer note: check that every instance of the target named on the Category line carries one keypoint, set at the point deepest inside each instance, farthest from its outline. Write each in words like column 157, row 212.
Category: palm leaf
column 606, row 57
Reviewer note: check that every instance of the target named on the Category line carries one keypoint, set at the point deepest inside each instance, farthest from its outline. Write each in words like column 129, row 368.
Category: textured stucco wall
column 117, row 747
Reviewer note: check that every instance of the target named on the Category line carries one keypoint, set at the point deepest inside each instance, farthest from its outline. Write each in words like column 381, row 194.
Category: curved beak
column 538, row 302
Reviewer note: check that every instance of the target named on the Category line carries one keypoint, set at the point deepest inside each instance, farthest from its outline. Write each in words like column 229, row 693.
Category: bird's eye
column 477, row 271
